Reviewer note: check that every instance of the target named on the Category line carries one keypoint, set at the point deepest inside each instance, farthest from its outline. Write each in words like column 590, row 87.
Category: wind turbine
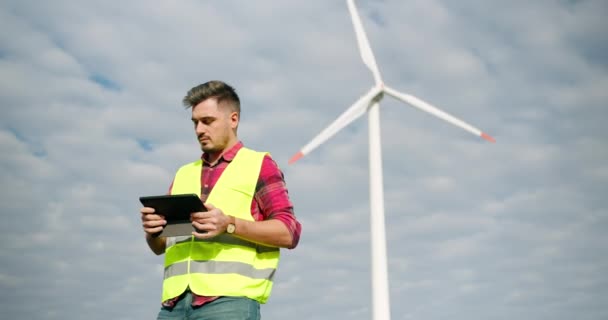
column 370, row 103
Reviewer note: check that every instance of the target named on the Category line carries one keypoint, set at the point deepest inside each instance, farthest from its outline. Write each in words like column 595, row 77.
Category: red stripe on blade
column 296, row 157
column 487, row 137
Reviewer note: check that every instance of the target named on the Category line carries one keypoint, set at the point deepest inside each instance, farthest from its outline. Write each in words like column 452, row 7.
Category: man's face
column 214, row 125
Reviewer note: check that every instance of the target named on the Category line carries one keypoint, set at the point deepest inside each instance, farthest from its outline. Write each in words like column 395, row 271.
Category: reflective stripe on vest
column 218, row 267
column 224, row 265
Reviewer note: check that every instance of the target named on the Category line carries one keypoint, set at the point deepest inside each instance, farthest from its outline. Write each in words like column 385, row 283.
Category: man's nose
column 200, row 128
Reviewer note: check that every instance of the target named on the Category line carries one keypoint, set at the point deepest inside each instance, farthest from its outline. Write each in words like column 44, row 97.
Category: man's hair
column 221, row 91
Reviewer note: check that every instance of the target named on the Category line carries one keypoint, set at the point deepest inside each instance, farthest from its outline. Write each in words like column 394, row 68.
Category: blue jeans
column 224, row 308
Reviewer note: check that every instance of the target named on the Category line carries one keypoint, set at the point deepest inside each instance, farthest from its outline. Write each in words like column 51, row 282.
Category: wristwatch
column 231, row 226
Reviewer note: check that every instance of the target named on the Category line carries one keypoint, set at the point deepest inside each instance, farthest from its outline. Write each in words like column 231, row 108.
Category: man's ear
column 234, row 120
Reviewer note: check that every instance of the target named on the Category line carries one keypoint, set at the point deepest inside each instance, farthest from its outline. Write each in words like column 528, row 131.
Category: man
column 226, row 268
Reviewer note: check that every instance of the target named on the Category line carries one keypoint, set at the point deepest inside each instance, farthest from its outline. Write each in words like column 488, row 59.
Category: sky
column 91, row 119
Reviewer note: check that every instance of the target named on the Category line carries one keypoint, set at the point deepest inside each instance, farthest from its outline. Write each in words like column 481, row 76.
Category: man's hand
column 152, row 222
column 213, row 222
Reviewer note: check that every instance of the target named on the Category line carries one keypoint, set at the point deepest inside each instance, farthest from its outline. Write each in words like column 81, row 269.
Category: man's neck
column 213, row 157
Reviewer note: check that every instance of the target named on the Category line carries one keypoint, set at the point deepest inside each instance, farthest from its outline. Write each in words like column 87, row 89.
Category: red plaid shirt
column 271, row 200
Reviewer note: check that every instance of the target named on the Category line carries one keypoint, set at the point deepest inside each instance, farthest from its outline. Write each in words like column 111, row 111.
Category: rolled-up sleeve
column 272, row 200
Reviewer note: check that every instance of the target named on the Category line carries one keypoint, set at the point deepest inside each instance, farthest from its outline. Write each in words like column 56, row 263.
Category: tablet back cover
column 177, row 210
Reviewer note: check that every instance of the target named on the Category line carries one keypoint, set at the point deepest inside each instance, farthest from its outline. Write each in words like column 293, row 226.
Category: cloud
column 92, row 119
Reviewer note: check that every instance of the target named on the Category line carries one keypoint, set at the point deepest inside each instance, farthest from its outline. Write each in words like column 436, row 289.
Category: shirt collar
column 228, row 155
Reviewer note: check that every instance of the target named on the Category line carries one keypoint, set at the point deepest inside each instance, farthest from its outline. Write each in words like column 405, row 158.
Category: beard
column 216, row 141
column 213, row 146
column 210, row 148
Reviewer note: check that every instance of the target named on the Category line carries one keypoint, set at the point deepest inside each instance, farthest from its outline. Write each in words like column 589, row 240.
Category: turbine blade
column 425, row 106
column 364, row 48
column 352, row 113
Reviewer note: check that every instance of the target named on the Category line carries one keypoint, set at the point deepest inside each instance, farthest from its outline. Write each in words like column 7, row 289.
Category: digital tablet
column 176, row 209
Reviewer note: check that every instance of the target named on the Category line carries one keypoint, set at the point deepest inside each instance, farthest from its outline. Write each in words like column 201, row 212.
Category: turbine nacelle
column 377, row 98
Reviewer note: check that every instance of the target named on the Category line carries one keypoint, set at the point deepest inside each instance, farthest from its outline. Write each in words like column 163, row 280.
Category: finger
column 200, row 215
column 154, row 223
column 200, row 235
column 210, row 223
column 147, row 210
column 153, row 230
column 209, row 206
column 152, row 217
column 203, row 226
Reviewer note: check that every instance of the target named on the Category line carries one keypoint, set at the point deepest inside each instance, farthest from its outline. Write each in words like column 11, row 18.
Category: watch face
column 230, row 228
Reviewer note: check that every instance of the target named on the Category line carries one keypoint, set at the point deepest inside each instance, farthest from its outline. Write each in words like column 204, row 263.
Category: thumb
column 209, row 206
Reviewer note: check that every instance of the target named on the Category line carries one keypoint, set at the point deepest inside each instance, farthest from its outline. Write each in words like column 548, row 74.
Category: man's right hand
column 152, row 222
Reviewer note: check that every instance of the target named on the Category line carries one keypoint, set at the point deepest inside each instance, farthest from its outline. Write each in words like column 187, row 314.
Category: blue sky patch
column 145, row 144
column 377, row 18
column 105, row 82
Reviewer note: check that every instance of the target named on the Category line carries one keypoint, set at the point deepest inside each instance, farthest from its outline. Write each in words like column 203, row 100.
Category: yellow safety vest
column 224, row 265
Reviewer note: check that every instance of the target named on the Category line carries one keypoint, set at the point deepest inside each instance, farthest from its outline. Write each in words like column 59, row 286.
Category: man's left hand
column 212, row 222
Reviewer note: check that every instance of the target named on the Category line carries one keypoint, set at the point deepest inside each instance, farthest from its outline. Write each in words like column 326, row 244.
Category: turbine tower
column 369, row 102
